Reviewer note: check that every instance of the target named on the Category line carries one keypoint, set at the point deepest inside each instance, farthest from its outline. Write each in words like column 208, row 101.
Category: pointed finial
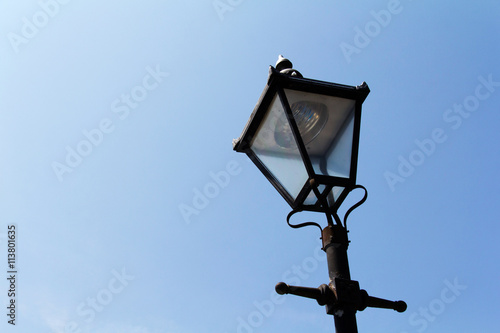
column 284, row 66
column 283, row 63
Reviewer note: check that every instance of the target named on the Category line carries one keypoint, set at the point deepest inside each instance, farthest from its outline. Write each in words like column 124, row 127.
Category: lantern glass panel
column 334, row 195
column 311, row 198
column 276, row 148
column 326, row 126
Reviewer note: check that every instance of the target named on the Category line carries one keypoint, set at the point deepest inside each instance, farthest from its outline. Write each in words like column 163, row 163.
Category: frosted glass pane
column 327, row 129
column 277, row 149
column 311, row 198
column 334, row 194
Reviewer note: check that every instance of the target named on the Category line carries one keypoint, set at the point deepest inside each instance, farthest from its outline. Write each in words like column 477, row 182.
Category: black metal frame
column 276, row 84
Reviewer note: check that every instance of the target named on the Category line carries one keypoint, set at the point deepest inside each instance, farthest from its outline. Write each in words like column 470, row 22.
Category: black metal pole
column 335, row 243
column 342, row 297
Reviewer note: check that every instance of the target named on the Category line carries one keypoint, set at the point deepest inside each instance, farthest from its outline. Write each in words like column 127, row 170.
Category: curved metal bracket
column 357, row 204
column 300, row 225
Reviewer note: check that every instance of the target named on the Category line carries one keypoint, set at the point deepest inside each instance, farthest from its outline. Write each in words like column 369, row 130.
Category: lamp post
column 303, row 135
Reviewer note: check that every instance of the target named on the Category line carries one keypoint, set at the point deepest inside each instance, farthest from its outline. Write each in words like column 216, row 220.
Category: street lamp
column 303, row 135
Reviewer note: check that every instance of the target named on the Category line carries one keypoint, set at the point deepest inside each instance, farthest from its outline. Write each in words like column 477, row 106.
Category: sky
column 126, row 210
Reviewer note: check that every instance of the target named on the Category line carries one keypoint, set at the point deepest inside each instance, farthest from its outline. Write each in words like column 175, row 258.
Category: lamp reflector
column 310, row 118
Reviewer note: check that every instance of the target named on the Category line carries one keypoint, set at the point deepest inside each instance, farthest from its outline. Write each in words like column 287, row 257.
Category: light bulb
column 310, row 117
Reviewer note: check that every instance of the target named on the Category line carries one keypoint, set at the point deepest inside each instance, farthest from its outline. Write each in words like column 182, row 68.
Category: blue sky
column 116, row 118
